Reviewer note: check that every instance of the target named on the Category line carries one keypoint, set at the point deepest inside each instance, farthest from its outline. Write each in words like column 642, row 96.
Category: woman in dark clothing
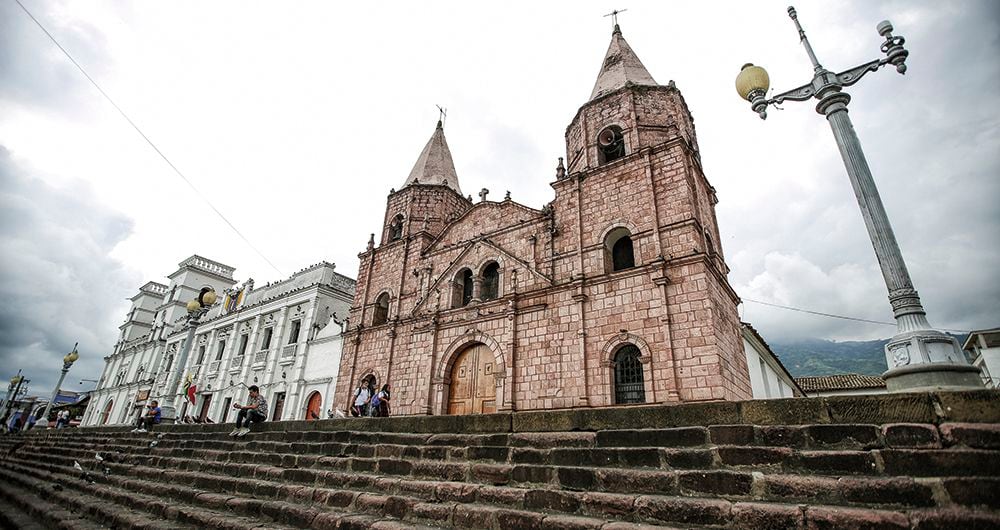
column 380, row 403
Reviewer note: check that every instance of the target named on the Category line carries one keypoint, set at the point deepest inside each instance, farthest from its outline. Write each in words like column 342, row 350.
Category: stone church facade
column 615, row 292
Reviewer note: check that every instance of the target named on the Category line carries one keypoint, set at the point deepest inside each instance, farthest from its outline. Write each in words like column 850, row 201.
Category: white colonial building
column 983, row 347
column 769, row 379
column 284, row 337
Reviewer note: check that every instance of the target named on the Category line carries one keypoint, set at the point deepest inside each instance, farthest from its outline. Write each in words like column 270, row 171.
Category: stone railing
column 236, row 362
column 288, row 351
column 214, row 366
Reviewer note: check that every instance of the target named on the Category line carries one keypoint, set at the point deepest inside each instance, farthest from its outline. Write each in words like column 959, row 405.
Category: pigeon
column 160, row 436
column 98, row 457
column 154, row 443
column 77, row 466
column 107, row 471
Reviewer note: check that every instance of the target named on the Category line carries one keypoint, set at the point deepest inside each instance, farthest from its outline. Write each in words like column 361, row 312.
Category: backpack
column 377, row 399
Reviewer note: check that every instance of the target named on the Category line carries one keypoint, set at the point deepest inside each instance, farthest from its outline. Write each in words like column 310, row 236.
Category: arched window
column 619, row 251
column 462, row 288
column 396, row 228
column 610, row 144
column 491, row 282
column 381, row 315
column 628, row 376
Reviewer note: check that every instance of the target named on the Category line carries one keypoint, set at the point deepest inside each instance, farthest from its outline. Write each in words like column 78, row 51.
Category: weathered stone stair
column 920, row 461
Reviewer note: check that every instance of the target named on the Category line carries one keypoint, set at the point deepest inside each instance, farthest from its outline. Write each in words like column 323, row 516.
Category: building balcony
column 236, row 363
column 261, row 356
column 213, row 367
column 288, row 354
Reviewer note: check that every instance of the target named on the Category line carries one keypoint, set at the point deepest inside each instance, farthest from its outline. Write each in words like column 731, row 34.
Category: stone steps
column 182, row 506
column 461, row 462
column 466, row 504
column 920, row 461
column 860, row 491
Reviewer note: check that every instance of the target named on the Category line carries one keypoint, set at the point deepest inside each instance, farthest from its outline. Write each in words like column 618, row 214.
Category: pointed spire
column 434, row 165
column 621, row 66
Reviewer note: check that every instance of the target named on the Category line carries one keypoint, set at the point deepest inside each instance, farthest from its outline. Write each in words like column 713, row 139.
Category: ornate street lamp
column 68, row 361
column 196, row 309
column 919, row 357
column 12, row 389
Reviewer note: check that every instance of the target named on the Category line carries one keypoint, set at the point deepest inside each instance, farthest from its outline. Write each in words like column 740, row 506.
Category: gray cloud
column 58, row 283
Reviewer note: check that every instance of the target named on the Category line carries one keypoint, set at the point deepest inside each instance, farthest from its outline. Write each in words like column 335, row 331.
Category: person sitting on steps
column 253, row 412
column 152, row 417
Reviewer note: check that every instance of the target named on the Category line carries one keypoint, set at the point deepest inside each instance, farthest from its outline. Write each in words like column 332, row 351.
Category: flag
column 190, row 388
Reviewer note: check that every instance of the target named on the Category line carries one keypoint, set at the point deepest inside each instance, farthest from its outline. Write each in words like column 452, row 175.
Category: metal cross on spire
column 614, row 16
column 442, row 114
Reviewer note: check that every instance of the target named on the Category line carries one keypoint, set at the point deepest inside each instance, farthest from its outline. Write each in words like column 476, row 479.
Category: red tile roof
column 839, row 382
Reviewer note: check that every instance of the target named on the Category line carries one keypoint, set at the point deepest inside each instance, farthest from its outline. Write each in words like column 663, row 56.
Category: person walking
column 362, row 398
column 254, row 411
column 380, row 403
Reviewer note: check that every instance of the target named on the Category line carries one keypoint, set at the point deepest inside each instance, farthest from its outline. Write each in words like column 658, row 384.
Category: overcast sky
column 297, row 118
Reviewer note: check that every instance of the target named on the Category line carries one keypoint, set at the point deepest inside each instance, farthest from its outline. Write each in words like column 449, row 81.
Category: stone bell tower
column 634, row 198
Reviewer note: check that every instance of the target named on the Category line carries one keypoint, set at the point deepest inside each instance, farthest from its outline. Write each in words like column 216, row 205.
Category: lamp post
column 919, row 357
column 68, row 361
column 196, row 309
column 12, row 389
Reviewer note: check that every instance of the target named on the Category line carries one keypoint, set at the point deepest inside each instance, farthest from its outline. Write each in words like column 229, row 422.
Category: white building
column 984, row 349
column 768, row 377
column 283, row 337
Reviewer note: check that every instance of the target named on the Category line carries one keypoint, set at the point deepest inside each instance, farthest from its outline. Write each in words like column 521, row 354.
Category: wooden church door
column 313, row 410
column 473, row 387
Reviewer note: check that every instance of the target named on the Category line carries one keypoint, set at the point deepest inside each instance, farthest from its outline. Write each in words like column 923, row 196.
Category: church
column 614, row 293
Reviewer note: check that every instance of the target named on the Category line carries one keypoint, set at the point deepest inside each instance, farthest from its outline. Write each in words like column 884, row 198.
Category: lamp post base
column 925, row 360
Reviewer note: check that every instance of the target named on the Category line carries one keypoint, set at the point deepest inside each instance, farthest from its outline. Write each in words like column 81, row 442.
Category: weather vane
column 443, row 114
column 614, row 15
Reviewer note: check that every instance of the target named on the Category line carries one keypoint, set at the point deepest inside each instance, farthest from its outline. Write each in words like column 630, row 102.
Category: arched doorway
column 629, row 386
column 107, row 412
column 314, row 408
column 473, row 386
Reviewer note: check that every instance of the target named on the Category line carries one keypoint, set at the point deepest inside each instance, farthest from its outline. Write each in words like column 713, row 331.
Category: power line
column 831, row 315
column 150, row 142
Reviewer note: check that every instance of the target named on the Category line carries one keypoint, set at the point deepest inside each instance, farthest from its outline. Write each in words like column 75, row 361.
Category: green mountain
column 828, row 357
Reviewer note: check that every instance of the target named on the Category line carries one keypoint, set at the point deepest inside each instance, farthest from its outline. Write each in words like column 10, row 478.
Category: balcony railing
column 288, row 351
column 214, row 366
column 236, row 362
column 260, row 356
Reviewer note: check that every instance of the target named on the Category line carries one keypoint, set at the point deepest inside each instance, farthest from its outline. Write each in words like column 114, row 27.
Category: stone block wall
column 554, row 331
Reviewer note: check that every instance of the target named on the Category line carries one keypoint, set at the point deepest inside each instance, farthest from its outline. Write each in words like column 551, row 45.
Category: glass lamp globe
column 752, row 79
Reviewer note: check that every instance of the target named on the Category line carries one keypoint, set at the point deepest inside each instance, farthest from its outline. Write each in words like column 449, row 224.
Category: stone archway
column 491, row 354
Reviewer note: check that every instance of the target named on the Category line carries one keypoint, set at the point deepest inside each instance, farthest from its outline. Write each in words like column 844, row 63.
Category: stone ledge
column 976, row 406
